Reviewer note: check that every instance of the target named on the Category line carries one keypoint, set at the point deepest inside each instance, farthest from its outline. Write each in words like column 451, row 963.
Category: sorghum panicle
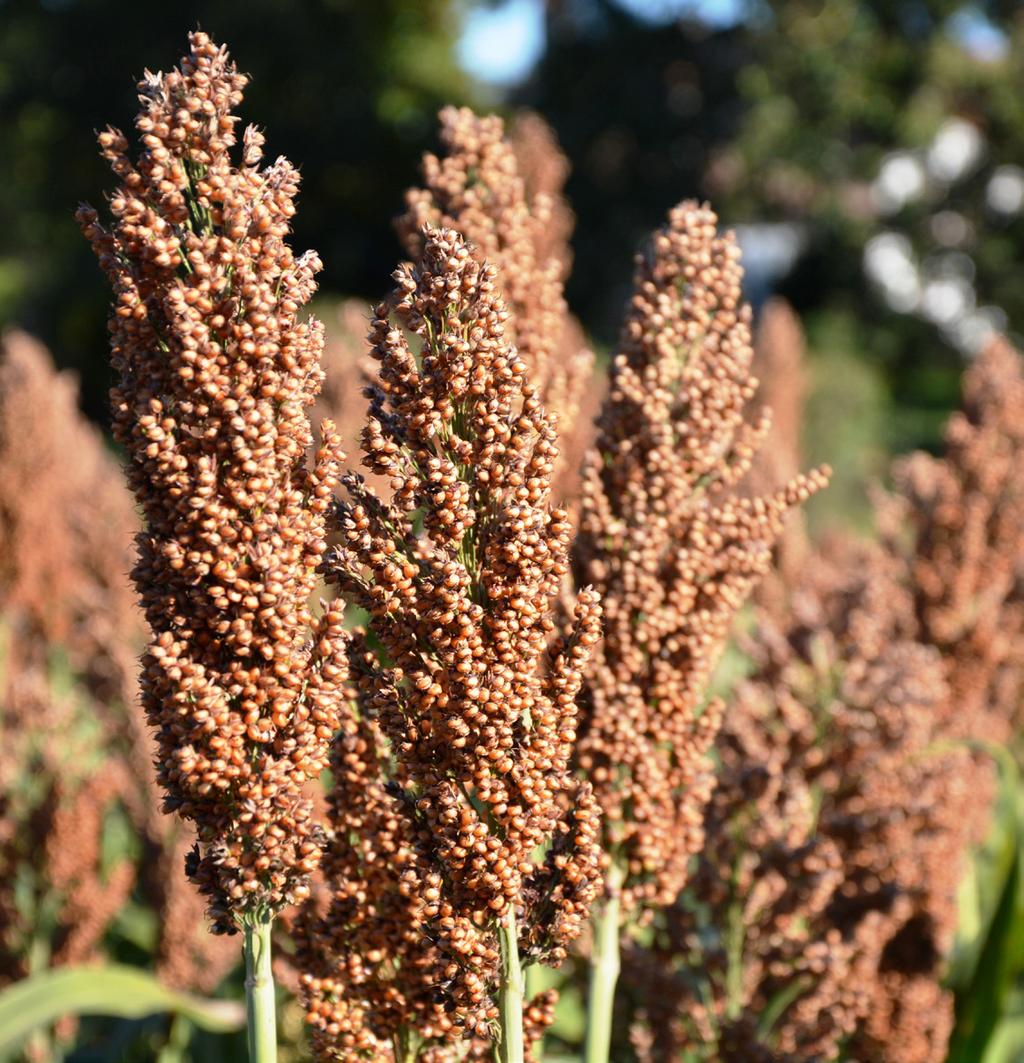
column 545, row 170
column 369, row 971
column 216, row 371
column 966, row 555
column 66, row 636
column 886, row 658
column 65, row 595
column 862, row 708
column 671, row 551
column 65, row 579
column 477, row 189
column 476, row 703
column 753, row 923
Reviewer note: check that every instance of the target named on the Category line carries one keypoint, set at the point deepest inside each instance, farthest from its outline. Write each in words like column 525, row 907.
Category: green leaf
column 121, row 992
column 1007, row 1043
column 985, row 879
column 778, row 1004
column 982, row 1006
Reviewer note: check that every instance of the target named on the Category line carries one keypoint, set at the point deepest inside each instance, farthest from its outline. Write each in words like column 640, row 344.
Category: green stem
column 735, row 932
column 604, row 972
column 534, row 983
column 176, row 1045
column 407, row 1045
column 511, row 1046
column 259, row 991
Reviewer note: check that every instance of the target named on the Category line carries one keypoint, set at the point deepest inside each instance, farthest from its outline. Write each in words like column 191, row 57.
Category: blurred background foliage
column 870, row 154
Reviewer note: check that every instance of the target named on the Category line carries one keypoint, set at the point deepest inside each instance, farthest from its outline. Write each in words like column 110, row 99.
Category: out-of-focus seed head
column 835, row 838
column 965, row 511
column 780, row 354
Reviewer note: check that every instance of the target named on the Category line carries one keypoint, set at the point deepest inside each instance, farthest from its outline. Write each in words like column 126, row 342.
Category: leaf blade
column 117, row 991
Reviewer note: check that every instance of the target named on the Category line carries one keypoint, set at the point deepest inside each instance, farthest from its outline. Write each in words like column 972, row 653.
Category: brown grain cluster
column 66, row 526
column 59, row 792
column 670, row 548
column 835, row 841
column 965, row 511
column 368, row 968
column 457, row 569
column 884, row 659
column 479, row 188
column 910, row 800
column 240, row 682
column 753, row 924
column 545, row 170
column 65, row 664
column 76, row 751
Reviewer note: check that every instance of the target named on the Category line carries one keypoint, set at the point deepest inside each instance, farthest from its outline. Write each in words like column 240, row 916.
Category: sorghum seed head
column 670, row 548
column 216, row 370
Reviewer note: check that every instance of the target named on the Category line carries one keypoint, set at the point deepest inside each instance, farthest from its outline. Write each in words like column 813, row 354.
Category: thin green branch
column 604, row 971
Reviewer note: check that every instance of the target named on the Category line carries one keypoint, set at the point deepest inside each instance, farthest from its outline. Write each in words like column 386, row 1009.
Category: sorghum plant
column 746, row 965
column 369, row 970
column 60, row 674
column 833, row 834
column 64, row 578
column 65, row 652
column 240, row 682
column 883, row 660
column 59, row 790
column 901, row 800
column 483, row 846
column 673, row 555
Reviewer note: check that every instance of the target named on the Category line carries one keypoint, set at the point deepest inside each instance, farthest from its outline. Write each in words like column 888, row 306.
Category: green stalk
column 534, row 983
column 176, row 1045
column 511, row 1045
column 604, row 972
column 407, row 1045
column 261, row 1007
